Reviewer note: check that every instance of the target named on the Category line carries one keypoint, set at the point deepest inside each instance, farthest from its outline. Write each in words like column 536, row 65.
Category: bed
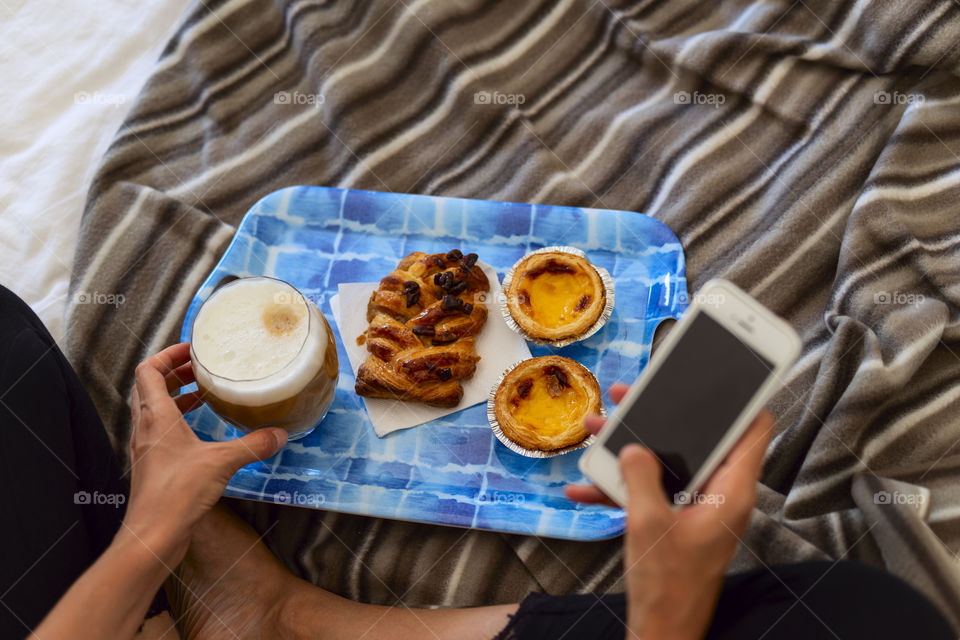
column 71, row 77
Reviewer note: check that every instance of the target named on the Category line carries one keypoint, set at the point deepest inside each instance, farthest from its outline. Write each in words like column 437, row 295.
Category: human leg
column 803, row 601
column 846, row 600
column 230, row 586
column 65, row 490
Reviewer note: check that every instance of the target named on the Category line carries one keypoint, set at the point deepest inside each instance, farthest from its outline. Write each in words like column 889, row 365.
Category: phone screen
column 692, row 400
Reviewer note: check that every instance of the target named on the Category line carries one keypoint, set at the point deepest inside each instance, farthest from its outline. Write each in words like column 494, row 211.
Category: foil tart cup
column 513, row 446
column 601, row 320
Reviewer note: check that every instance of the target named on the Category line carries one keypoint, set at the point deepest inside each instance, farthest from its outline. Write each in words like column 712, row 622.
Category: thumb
column 259, row 445
column 642, row 474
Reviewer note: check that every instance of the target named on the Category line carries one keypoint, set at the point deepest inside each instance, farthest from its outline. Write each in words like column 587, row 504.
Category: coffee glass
column 264, row 356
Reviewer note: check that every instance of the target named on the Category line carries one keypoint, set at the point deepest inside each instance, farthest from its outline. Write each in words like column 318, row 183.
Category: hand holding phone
column 698, row 394
column 675, row 559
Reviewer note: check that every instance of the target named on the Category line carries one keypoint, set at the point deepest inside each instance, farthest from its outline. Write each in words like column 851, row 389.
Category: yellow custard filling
column 556, row 299
column 547, row 414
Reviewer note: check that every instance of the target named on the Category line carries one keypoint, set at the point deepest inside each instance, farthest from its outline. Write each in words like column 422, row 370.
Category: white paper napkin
column 497, row 345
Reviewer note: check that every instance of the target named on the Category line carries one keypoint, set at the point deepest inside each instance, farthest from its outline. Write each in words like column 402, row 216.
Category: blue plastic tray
column 451, row 471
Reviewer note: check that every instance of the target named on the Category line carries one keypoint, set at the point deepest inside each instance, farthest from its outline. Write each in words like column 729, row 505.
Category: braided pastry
column 423, row 319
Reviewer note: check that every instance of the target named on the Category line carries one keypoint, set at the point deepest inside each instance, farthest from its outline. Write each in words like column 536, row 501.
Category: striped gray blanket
column 806, row 150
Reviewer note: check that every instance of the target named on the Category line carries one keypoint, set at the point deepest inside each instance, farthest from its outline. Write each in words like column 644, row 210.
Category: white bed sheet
column 70, row 72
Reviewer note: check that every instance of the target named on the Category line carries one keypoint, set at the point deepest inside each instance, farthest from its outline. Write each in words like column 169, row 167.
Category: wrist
column 673, row 610
column 653, row 630
column 149, row 547
column 657, row 624
column 111, row 597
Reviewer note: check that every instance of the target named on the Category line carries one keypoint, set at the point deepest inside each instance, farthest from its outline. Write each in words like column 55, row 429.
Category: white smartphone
column 698, row 394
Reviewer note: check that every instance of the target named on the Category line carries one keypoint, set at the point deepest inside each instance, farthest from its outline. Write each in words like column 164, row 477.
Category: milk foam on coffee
column 261, row 341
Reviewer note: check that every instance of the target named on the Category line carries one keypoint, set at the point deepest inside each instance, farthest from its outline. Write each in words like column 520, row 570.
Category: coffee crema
column 264, row 355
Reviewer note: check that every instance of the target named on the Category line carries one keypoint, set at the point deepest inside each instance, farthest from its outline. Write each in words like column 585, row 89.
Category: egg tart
column 555, row 295
column 540, row 404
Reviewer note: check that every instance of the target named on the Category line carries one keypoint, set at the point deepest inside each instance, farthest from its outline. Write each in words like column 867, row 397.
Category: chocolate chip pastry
column 423, row 319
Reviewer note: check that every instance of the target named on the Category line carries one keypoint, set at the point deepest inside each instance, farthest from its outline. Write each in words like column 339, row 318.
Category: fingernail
column 631, row 449
column 280, row 436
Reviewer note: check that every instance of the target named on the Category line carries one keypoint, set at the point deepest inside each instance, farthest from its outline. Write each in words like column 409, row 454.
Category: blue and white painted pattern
column 451, row 471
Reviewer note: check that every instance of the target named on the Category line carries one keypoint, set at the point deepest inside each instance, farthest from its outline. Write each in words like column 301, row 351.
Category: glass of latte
column 264, row 356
